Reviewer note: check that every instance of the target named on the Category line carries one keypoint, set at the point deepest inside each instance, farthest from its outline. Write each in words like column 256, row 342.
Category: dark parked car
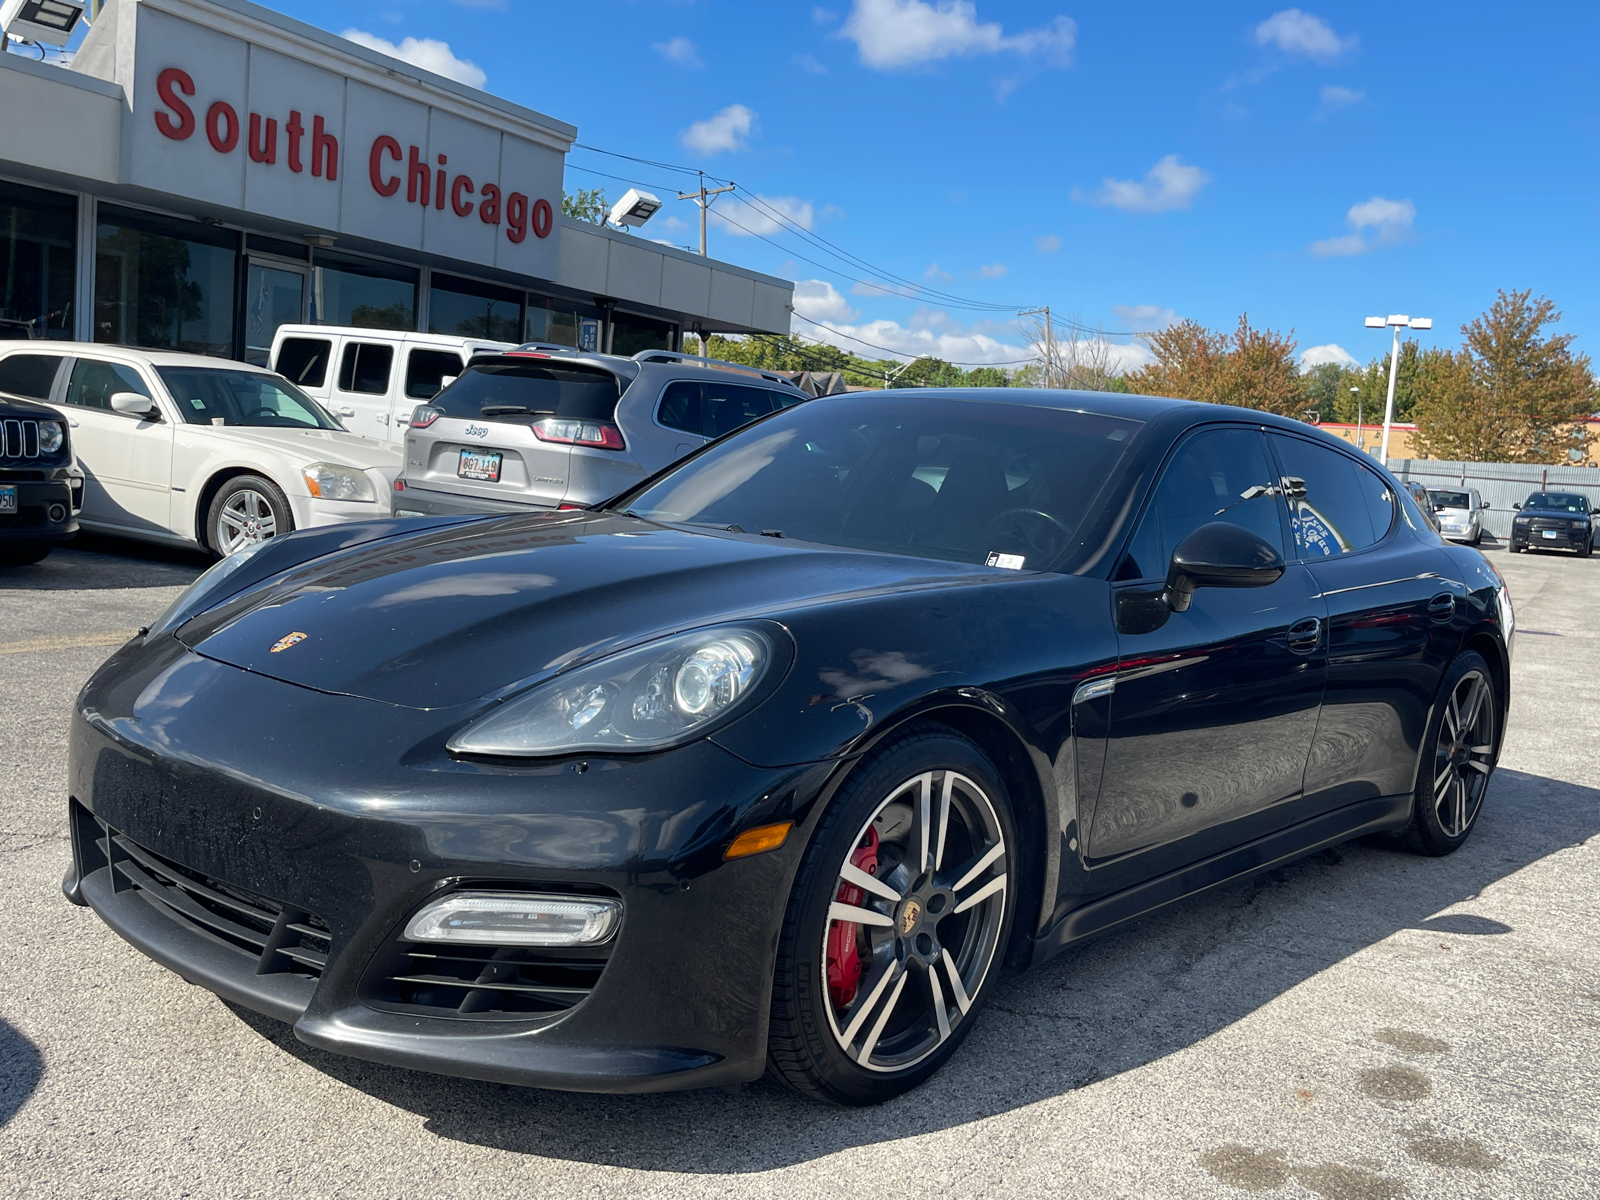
column 776, row 758
column 40, row 489
column 1554, row 521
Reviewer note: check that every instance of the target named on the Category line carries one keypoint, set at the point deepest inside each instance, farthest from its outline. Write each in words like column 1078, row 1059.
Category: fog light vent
column 58, row 513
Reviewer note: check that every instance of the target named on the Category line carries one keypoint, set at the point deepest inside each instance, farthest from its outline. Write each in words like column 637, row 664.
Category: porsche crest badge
column 290, row 639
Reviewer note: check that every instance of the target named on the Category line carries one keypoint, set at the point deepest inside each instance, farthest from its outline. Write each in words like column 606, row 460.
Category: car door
column 305, row 362
column 1392, row 604
column 126, row 459
column 679, row 414
column 361, row 388
column 1213, row 711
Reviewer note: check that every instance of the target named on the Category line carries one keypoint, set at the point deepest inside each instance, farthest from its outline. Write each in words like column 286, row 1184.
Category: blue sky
column 1120, row 163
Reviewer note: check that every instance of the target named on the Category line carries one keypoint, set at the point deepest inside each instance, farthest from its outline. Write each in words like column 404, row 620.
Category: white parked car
column 1459, row 513
column 186, row 449
column 371, row 379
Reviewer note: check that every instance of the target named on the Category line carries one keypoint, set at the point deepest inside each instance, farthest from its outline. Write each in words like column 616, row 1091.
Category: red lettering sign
column 218, row 115
column 168, row 84
column 384, row 145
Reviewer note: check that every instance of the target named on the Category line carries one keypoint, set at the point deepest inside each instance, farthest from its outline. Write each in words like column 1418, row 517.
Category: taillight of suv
column 424, row 415
column 602, row 435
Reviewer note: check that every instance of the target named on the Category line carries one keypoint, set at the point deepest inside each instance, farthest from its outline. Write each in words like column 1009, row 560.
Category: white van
column 371, row 379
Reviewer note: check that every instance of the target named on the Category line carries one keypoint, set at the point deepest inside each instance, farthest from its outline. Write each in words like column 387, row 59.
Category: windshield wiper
column 496, row 410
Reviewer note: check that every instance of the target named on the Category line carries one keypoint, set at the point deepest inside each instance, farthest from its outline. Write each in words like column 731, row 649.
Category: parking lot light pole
column 1397, row 322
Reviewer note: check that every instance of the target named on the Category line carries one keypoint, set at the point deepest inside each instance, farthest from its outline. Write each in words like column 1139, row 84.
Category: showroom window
column 631, row 334
column 479, row 310
column 38, row 253
column 558, row 322
column 363, row 292
column 163, row 283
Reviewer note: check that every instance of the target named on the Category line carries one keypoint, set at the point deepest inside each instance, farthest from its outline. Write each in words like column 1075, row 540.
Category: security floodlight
column 635, row 208
column 43, row 22
column 1399, row 319
column 1422, row 322
column 1376, row 322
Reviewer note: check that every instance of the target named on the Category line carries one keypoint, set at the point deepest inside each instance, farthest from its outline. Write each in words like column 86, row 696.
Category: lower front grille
column 280, row 938
column 29, row 516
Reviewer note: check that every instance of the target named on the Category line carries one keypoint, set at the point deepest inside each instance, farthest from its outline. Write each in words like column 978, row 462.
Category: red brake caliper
column 844, row 957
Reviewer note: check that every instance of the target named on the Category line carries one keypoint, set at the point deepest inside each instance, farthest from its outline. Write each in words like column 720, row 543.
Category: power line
column 901, row 353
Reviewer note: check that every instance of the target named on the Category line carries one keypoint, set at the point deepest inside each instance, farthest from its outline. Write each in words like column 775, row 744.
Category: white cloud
column 739, row 217
column 937, row 274
column 821, row 301
column 929, row 332
column 1144, row 317
column 1048, row 244
column 897, row 34
column 1169, row 185
column 1375, row 224
column 809, row 65
column 425, row 53
column 993, row 270
column 679, row 50
column 725, row 131
column 1335, row 97
column 1316, row 356
column 1297, row 32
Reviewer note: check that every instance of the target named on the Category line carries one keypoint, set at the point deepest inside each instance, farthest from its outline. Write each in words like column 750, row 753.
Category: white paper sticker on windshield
column 1008, row 562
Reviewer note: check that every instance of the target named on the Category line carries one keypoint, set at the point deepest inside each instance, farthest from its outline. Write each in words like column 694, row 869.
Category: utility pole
column 1049, row 343
column 703, row 198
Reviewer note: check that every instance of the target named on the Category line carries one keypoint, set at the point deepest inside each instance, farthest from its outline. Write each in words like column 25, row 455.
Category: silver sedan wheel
column 246, row 518
column 1464, row 757
column 915, row 922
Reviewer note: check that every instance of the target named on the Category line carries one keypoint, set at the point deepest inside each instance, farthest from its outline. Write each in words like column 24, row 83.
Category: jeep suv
column 544, row 427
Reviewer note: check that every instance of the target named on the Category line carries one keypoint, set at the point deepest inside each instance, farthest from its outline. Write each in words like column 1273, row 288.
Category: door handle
column 74, row 424
column 346, row 411
column 1442, row 607
column 1304, row 636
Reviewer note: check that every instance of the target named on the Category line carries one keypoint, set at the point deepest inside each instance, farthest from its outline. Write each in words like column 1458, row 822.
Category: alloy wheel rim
column 925, row 922
column 1464, row 756
column 246, row 519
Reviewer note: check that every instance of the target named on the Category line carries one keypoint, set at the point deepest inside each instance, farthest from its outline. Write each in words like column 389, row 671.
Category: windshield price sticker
column 1006, row 562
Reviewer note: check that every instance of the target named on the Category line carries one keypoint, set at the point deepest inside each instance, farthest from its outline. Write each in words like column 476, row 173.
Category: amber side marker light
column 759, row 840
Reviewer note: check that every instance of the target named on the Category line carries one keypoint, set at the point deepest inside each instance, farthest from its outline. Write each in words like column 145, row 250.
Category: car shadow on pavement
column 21, row 1068
column 1096, row 1011
column 91, row 562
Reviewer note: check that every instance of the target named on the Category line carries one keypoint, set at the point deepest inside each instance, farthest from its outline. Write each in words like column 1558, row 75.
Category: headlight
column 192, row 599
column 329, row 481
column 654, row 696
column 1522, row 520
column 50, row 437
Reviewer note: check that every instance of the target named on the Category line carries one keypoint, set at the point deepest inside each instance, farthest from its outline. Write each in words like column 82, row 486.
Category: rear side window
column 94, row 383
column 509, row 391
column 29, row 375
column 304, row 361
column 365, row 368
column 1336, row 504
column 426, row 370
column 713, row 409
column 680, row 407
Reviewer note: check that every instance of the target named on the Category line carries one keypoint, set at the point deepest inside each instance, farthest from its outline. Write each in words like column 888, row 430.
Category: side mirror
column 133, row 404
column 1485, row 504
column 1219, row 554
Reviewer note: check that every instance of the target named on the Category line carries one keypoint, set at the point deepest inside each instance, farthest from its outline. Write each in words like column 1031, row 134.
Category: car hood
column 1559, row 513
column 448, row 616
column 318, row 445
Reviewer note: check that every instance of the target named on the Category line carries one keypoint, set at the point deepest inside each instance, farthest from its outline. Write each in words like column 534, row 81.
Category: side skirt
column 1378, row 815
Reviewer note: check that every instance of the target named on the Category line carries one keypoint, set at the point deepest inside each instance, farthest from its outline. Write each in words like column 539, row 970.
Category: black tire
column 1458, row 758
column 24, row 555
column 1586, row 550
column 246, row 509
column 862, row 1012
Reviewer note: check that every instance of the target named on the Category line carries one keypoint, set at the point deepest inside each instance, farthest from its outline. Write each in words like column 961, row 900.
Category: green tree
column 586, row 204
column 1250, row 368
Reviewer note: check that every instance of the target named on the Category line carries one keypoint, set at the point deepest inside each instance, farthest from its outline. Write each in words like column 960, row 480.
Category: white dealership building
column 201, row 174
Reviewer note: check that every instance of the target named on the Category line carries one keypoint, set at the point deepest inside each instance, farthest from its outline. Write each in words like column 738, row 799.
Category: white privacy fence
column 1501, row 484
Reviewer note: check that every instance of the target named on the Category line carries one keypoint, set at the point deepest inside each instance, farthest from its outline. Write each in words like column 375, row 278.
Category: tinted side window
column 425, row 372
column 725, row 407
column 680, row 407
column 94, row 383
column 29, row 375
column 304, row 360
column 1217, row 475
column 1336, row 504
column 365, row 368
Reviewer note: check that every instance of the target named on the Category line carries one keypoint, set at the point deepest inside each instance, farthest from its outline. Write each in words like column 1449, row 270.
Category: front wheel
column 1458, row 759
column 248, row 509
column 897, row 922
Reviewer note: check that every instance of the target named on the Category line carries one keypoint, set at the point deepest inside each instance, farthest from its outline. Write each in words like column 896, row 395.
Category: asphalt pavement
column 1361, row 1026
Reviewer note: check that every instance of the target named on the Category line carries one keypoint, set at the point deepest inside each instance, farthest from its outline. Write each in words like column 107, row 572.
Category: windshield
column 520, row 390
column 217, row 396
column 1557, row 502
column 1449, row 499
column 972, row 481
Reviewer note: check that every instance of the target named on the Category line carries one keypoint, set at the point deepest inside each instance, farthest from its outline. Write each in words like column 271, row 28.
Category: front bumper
column 1565, row 539
column 427, row 502
column 347, row 814
column 46, row 511
column 310, row 512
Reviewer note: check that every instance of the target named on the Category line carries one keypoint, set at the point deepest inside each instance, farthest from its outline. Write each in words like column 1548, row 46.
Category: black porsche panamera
column 771, row 763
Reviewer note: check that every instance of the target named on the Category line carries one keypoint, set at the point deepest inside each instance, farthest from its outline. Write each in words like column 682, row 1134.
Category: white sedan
column 186, row 449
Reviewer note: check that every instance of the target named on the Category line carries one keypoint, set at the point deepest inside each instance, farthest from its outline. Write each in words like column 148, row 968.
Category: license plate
column 1550, row 533
column 8, row 499
column 475, row 464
